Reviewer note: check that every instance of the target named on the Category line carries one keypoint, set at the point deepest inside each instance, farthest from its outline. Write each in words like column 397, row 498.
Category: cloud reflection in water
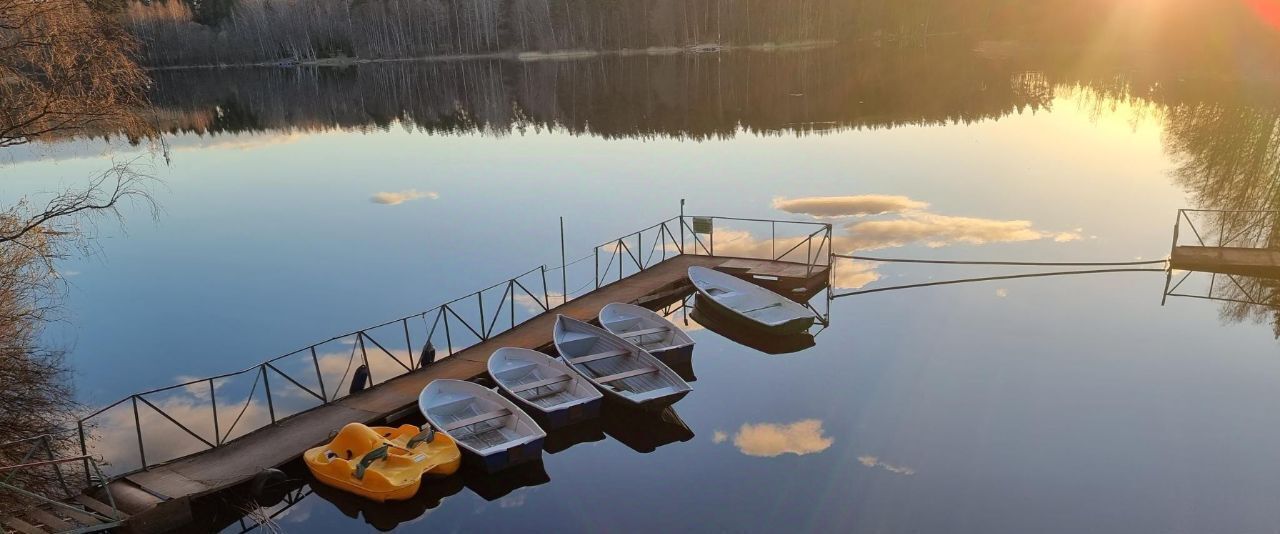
column 767, row 440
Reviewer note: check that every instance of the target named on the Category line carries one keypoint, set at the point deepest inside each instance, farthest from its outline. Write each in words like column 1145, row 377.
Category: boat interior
column 613, row 367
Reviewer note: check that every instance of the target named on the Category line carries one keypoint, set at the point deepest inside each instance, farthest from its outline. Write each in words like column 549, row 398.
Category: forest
column 222, row 32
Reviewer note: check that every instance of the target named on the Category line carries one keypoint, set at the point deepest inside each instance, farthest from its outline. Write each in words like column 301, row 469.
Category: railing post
column 564, row 265
column 137, row 423
column 662, row 231
column 682, row 226
column 57, row 468
column 831, row 245
column 266, row 383
column 712, row 238
column 315, row 360
column 484, row 332
column 773, row 239
column 364, row 356
column 213, row 401
column 408, row 344
column 448, row 339
column 597, row 254
column 808, row 255
column 511, row 291
column 84, row 451
column 546, row 295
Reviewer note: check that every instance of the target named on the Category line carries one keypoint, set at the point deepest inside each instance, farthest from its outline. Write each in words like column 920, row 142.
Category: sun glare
column 1268, row 11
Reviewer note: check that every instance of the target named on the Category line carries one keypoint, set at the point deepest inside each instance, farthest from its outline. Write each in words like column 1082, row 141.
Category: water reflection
column 394, row 198
column 718, row 322
column 934, row 231
column 643, row 431
column 846, row 206
column 685, row 96
column 493, row 487
column 389, row 515
column 775, row 439
column 563, row 438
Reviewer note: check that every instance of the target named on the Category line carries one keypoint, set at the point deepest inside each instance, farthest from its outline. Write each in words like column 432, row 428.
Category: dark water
column 303, row 203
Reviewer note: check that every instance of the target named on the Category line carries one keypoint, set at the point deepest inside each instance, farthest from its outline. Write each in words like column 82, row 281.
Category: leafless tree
column 36, row 396
column 64, row 67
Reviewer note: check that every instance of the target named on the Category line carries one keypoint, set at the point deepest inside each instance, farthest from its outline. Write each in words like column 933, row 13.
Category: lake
column 302, row 203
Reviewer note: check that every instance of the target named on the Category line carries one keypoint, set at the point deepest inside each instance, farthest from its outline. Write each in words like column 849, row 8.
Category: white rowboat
column 545, row 385
column 621, row 370
column 488, row 426
column 752, row 304
column 649, row 331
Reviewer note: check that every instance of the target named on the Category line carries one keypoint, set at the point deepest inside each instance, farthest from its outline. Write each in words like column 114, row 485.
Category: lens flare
column 1267, row 10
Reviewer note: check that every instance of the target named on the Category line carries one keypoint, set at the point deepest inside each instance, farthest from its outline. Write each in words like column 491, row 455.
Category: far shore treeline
column 236, row 32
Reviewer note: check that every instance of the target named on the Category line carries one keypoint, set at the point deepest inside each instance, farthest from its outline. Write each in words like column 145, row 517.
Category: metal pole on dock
column 564, row 271
column 682, row 226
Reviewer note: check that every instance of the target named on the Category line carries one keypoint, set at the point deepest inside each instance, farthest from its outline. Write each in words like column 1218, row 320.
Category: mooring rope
column 991, row 278
column 1021, row 263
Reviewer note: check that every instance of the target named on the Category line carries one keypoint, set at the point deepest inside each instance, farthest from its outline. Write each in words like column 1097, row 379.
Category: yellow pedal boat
column 383, row 463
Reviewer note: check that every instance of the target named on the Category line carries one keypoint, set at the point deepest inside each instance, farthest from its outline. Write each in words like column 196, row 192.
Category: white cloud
column 769, row 440
column 534, row 305
column 233, row 141
column 935, row 230
column 853, row 274
column 114, row 438
column 858, row 205
column 1002, row 292
column 719, row 436
column 514, row 500
column 392, row 198
column 873, row 462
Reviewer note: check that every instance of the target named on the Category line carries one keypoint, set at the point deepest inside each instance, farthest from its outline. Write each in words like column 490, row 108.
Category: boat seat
column 627, row 374
column 476, row 419
column 575, row 342
column 535, row 385
column 644, row 332
column 598, row 356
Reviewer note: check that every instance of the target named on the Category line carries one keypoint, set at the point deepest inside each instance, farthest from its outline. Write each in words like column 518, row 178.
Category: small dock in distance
column 1241, row 261
column 1224, row 255
column 1230, row 242
column 158, row 498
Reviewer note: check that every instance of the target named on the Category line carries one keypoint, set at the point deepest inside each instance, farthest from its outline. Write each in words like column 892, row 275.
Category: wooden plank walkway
column 238, row 461
column 1257, row 262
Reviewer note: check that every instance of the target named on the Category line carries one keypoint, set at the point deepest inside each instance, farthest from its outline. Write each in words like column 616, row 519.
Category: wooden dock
column 1255, row 262
column 159, row 498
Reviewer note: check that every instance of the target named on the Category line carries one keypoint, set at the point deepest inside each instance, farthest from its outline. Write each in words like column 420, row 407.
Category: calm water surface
column 299, row 204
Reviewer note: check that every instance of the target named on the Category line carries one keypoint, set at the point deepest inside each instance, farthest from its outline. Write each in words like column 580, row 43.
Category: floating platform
column 1254, row 262
column 159, row 498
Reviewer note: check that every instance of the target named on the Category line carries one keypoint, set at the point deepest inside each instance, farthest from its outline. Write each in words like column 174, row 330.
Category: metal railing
column 40, row 500
column 663, row 242
column 472, row 317
column 295, row 382
column 1226, row 228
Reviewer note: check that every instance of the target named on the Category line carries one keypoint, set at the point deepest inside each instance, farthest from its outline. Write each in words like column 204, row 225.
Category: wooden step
column 502, row 412
column 22, row 526
column 644, row 332
column 81, row 517
column 51, row 522
column 535, row 385
column 627, row 374
column 99, row 506
column 597, row 356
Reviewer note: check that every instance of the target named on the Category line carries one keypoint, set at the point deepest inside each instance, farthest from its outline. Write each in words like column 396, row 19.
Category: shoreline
column 529, row 56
